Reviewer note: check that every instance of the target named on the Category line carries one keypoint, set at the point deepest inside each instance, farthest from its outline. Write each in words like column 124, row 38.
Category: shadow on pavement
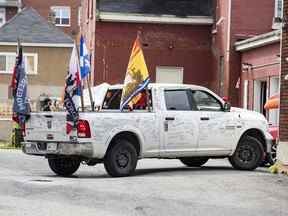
column 176, row 171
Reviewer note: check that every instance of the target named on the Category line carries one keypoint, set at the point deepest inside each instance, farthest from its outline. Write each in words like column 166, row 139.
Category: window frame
column 211, row 95
column 3, row 10
column 276, row 12
column 53, row 8
column 35, row 55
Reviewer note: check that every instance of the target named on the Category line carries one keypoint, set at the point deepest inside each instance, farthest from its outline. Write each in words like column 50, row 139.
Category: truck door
column 217, row 128
column 180, row 123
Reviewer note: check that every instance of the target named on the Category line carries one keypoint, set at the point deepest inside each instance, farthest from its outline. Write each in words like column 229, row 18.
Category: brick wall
column 284, row 83
column 186, row 46
column 248, row 18
column 87, row 28
column 10, row 12
column 43, row 8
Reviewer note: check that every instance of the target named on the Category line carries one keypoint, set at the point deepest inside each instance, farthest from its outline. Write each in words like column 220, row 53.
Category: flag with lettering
column 21, row 106
column 72, row 92
column 137, row 76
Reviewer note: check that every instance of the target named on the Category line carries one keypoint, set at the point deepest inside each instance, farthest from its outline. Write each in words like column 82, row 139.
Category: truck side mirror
column 227, row 107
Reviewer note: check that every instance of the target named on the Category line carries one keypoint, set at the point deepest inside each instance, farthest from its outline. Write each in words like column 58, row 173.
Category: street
column 160, row 187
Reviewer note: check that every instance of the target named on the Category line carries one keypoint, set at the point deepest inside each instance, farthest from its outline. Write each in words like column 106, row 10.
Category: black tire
column 64, row 166
column 194, row 161
column 248, row 154
column 272, row 157
column 121, row 159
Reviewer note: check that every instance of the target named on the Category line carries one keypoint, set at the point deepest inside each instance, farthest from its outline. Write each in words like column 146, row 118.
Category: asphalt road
column 160, row 187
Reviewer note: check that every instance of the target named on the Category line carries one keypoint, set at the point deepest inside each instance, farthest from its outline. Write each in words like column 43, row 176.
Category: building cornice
column 258, row 41
column 147, row 18
column 63, row 45
column 10, row 3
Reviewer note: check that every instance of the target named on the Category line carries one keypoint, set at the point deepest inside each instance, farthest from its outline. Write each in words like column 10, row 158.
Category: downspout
column 227, row 78
column 19, row 5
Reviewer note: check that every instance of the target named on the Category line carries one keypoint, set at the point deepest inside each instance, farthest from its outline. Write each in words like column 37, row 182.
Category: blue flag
column 85, row 67
column 21, row 105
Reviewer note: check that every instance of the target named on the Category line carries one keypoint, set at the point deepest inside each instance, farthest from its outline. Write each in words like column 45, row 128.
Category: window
column 113, row 98
column 205, row 101
column 278, row 8
column 62, row 16
column 2, row 16
column 7, row 62
column 178, row 100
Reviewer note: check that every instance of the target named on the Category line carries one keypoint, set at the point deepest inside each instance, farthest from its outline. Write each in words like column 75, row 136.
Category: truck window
column 113, row 98
column 206, row 101
column 178, row 100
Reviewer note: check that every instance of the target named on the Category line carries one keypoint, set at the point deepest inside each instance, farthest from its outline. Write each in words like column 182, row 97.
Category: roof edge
column 61, row 45
column 258, row 41
column 148, row 18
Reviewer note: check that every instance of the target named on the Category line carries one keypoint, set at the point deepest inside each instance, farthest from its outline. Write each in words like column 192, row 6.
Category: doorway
column 260, row 96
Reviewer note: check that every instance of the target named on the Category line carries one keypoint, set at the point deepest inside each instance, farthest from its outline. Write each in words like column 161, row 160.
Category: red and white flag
column 73, row 91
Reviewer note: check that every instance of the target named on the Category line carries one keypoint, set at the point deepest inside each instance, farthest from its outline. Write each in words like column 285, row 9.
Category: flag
column 21, row 107
column 72, row 91
column 137, row 77
column 85, row 67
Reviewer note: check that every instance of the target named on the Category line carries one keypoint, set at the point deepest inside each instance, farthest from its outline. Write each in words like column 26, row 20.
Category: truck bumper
column 43, row 149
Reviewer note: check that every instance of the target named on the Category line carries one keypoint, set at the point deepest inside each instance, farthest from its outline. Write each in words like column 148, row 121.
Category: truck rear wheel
column 248, row 154
column 121, row 159
column 63, row 166
column 194, row 161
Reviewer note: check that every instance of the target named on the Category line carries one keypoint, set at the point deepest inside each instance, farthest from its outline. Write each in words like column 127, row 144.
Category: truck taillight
column 83, row 129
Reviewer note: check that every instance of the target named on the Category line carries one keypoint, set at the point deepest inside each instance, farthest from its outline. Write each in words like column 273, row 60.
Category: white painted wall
column 165, row 74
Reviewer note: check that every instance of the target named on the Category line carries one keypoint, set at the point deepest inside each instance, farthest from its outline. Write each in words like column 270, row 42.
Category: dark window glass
column 177, row 100
column 205, row 101
column 113, row 98
column 57, row 21
column 65, row 21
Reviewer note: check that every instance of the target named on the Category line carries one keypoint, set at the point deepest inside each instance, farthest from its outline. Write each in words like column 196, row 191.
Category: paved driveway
column 160, row 187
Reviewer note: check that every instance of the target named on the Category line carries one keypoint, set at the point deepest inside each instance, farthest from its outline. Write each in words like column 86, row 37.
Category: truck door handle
column 169, row 118
column 204, row 118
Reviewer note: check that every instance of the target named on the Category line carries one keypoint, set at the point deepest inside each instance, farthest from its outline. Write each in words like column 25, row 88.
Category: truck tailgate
column 47, row 126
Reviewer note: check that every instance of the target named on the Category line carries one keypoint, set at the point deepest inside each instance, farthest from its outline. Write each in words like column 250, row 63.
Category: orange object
column 272, row 103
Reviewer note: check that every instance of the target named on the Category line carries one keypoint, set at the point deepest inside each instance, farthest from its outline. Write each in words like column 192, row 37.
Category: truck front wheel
column 194, row 161
column 248, row 154
column 64, row 166
column 121, row 159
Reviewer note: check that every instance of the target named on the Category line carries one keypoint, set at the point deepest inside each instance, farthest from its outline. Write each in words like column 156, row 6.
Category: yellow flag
column 137, row 76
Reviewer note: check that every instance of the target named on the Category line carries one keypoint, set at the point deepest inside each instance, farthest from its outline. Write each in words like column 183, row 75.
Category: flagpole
column 146, row 88
column 81, row 96
column 90, row 94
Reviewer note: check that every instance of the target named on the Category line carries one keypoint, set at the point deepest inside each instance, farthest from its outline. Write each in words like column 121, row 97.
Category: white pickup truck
column 186, row 122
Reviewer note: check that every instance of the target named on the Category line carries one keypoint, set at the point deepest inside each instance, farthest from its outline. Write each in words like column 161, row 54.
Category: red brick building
column 260, row 61
column 65, row 13
column 8, row 9
column 235, row 21
column 197, row 47
column 176, row 38
column 282, row 150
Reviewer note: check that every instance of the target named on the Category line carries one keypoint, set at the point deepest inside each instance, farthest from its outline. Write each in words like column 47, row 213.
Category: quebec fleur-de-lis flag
column 137, row 76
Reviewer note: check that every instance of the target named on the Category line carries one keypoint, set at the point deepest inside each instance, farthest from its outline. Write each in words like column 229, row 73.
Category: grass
column 6, row 145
